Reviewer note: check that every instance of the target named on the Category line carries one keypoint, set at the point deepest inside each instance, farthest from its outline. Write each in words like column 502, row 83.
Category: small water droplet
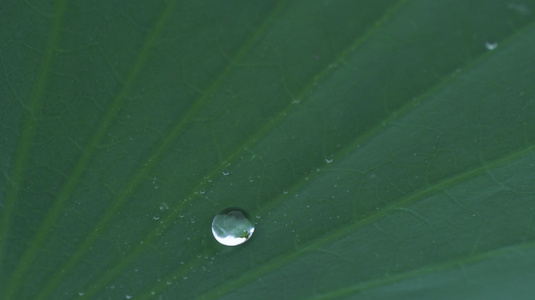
column 491, row 45
column 232, row 227
column 329, row 160
column 81, row 293
column 128, row 296
column 225, row 173
column 156, row 218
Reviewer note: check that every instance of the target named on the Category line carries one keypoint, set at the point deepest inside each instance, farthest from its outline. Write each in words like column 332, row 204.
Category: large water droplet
column 232, row 226
column 491, row 45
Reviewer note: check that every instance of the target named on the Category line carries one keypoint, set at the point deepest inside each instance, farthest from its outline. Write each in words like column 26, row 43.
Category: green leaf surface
column 385, row 149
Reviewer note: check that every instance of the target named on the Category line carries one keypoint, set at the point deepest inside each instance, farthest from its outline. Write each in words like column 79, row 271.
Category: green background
column 382, row 149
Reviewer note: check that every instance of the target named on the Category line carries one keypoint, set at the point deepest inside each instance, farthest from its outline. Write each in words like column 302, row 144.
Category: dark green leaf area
column 384, row 149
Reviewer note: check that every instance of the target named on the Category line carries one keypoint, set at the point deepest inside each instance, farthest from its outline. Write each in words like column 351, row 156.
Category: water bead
column 232, row 226
column 491, row 45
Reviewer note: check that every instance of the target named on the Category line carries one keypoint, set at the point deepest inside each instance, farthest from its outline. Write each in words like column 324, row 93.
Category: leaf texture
column 385, row 149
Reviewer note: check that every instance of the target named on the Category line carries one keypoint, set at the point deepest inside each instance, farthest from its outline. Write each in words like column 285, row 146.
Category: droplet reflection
column 232, row 227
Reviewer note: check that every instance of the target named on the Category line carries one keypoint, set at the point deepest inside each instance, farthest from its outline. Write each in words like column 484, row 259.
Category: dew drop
column 225, row 173
column 491, row 45
column 329, row 160
column 232, row 226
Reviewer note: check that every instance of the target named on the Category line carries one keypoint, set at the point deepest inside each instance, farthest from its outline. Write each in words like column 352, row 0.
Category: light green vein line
column 139, row 177
column 29, row 255
column 434, row 268
column 30, row 126
column 344, row 231
column 165, row 223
